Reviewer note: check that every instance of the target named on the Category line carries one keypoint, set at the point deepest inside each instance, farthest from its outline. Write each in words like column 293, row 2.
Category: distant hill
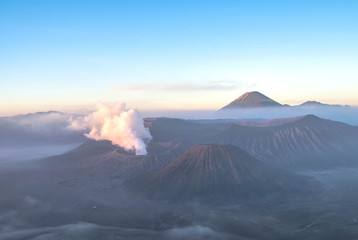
column 318, row 104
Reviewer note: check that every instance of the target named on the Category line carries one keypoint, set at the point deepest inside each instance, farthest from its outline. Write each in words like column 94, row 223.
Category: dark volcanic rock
column 103, row 160
column 216, row 173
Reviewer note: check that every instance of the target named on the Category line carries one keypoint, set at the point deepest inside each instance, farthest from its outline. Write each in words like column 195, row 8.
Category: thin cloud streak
column 208, row 86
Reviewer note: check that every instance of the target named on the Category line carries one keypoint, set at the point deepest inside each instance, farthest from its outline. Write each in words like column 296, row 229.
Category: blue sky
column 177, row 54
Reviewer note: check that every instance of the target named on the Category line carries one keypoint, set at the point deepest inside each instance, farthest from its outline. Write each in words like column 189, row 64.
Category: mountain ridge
column 295, row 143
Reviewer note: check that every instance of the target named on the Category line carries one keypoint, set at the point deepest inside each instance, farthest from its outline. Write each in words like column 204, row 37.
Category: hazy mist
column 297, row 185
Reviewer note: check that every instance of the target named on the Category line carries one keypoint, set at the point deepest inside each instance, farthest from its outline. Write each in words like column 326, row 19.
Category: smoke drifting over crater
column 117, row 124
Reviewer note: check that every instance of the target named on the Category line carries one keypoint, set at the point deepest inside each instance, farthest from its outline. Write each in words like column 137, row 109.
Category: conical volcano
column 214, row 173
column 252, row 100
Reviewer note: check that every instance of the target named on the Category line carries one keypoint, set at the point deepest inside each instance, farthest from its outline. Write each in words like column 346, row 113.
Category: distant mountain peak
column 39, row 113
column 312, row 103
column 319, row 104
column 47, row 112
column 252, row 99
column 311, row 119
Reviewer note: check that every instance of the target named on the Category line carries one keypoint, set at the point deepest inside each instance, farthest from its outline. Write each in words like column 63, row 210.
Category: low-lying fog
column 18, row 153
column 41, row 207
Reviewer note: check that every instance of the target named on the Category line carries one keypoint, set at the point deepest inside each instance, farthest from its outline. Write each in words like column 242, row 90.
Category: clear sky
column 175, row 54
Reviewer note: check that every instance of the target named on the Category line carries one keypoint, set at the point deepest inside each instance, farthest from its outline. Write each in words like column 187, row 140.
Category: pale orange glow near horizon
column 205, row 101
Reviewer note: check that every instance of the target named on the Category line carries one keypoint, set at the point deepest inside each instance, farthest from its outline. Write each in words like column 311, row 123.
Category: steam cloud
column 117, row 124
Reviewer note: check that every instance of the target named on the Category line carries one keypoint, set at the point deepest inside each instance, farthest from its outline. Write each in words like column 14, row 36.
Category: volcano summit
column 252, row 100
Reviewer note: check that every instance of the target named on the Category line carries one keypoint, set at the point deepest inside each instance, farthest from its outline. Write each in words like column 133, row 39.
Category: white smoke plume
column 122, row 127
